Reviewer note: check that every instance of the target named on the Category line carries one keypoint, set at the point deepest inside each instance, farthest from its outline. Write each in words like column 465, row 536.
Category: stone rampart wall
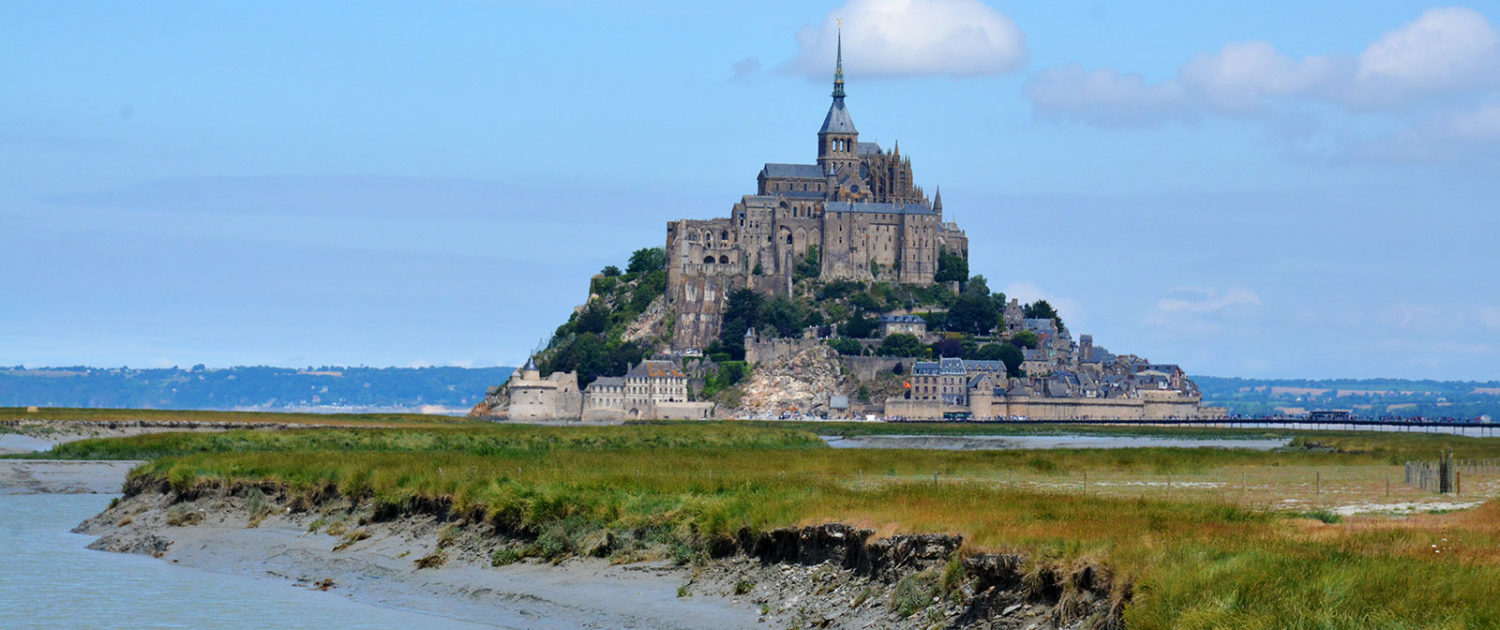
column 868, row 368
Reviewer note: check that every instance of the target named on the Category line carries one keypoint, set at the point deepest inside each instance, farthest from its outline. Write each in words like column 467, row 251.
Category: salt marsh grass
column 1199, row 538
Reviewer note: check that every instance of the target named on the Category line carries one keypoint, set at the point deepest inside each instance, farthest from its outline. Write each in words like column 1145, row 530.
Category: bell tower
column 838, row 140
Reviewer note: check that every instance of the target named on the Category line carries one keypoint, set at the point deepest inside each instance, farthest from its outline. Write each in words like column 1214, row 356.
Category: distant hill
column 432, row 389
column 1367, row 397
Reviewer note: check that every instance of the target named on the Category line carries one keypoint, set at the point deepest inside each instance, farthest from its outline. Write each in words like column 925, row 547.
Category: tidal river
column 49, row 580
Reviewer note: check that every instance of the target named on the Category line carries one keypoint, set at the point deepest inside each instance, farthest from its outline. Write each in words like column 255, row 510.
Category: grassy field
column 1204, row 538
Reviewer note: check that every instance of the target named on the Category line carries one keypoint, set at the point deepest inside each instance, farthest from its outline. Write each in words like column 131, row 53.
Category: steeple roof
column 838, row 119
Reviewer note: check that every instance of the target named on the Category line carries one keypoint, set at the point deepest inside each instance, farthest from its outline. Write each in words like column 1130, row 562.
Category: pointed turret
column 937, row 200
column 838, row 140
column 529, row 371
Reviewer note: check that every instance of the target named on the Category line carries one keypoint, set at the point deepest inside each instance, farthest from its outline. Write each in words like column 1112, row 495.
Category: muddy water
column 1013, row 442
column 49, row 580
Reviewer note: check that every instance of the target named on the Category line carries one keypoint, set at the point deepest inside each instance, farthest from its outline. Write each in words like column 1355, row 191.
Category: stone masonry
column 858, row 206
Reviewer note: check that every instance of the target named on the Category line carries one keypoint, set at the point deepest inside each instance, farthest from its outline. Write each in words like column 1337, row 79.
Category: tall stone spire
column 937, row 200
column 838, row 140
column 838, row 68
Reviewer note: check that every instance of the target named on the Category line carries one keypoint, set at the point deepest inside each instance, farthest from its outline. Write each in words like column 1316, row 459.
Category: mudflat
column 45, row 476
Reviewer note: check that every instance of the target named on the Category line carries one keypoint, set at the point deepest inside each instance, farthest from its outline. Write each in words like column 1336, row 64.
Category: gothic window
column 724, row 260
column 724, row 235
column 789, row 239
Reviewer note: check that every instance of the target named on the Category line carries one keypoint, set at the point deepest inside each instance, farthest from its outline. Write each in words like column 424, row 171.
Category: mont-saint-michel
column 619, row 315
column 841, row 280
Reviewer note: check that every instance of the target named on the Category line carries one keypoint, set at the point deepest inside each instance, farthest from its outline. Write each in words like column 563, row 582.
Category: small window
column 708, row 259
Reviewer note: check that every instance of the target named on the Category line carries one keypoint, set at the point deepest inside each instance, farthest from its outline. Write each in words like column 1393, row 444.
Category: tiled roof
column 793, row 171
column 655, row 369
column 838, row 119
column 901, row 319
column 886, row 208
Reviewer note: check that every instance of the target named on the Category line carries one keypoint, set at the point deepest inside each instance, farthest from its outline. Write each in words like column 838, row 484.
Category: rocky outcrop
column 800, row 382
column 652, row 326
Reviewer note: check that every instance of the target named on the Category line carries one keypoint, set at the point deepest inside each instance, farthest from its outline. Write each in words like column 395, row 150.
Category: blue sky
column 1250, row 189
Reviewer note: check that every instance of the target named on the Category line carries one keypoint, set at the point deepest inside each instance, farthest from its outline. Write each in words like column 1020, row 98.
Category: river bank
column 830, row 576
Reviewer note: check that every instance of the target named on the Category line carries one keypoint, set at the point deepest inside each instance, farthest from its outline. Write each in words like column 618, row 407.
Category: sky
column 1257, row 189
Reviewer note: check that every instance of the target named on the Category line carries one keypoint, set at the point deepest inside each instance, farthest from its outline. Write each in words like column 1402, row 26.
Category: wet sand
column 46, row 476
column 382, row 570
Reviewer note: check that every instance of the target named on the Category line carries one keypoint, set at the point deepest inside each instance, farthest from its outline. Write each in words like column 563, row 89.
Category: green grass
column 482, row 439
column 858, row 429
column 669, row 490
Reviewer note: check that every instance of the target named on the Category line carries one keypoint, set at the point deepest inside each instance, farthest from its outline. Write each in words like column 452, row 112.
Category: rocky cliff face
column 800, row 382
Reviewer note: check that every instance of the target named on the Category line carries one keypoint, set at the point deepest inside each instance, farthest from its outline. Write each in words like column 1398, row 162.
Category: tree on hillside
column 1012, row 357
column 990, row 352
column 647, row 259
column 811, row 265
column 948, row 347
column 857, row 326
column 741, row 313
column 902, row 345
column 846, row 346
column 973, row 313
column 784, row 314
column 1025, row 339
column 951, row 268
column 1040, row 309
column 610, row 271
column 977, row 285
column 594, row 318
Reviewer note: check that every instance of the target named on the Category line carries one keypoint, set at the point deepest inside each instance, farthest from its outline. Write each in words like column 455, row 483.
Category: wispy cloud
column 1450, row 136
column 1446, row 53
column 1191, row 300
column 1200, row 311
column 1489, row 317
column 899, row 38
column 745, row 68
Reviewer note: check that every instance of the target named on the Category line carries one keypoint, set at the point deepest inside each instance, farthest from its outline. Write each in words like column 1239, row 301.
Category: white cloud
column 1201, row 301
column 1453, row 51
column 1242, row 76
column 1444, row 49
column 892, row 38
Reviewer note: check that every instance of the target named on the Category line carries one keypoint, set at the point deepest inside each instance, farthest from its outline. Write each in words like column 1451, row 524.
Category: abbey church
column 857, row 213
